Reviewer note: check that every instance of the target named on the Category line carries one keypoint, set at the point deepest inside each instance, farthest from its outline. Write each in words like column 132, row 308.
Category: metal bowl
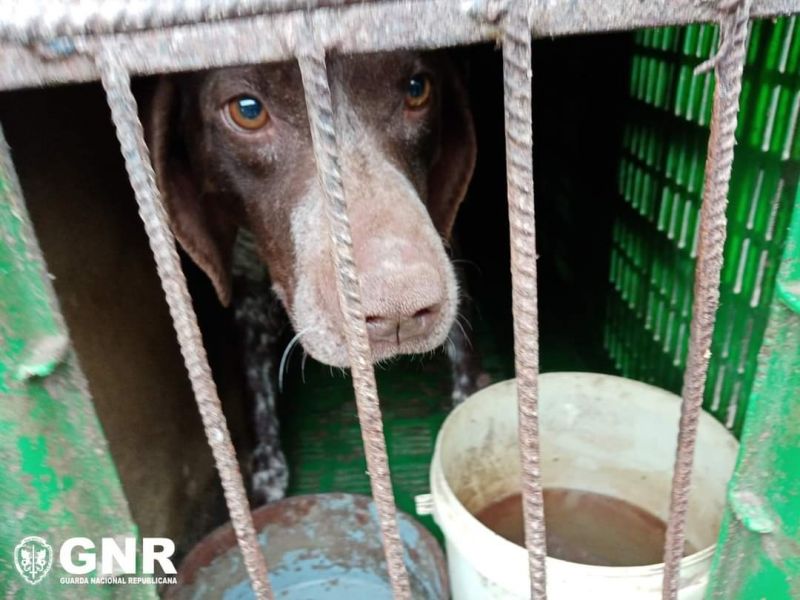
column 318, row 547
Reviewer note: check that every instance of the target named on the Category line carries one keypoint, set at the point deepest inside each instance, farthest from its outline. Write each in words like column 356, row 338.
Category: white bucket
column 599, row 433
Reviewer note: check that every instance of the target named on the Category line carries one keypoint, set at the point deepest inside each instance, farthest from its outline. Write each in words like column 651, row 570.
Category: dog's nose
column 398, row 328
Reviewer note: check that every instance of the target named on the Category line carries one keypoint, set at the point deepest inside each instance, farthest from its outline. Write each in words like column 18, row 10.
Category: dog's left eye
column 248, row 112
column 418, row 91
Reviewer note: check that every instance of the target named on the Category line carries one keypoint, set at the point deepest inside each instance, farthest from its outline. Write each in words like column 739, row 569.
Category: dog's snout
column 403, row 292
column 396, row 328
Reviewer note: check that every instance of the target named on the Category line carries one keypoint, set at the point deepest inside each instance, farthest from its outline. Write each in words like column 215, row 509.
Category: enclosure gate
column 45, row 43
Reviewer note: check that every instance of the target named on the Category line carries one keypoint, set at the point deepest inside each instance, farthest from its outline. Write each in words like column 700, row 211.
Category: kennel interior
column 620, row 135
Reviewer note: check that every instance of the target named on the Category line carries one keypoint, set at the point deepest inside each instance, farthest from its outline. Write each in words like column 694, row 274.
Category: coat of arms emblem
column 33, row 557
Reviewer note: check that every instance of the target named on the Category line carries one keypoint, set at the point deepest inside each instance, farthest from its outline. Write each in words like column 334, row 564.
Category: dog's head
column 232, row 149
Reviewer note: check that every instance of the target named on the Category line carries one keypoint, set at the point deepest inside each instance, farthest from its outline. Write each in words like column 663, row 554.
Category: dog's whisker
column 463, row 317
column 303, row 366
column 470, row 263
column 287, row 355
column 464, row 296
column 467, row 339
column 461, row 327
column 450, row 350
column 448, row 244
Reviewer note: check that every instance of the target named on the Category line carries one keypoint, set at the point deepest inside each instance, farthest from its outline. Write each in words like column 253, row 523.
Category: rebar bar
column 311, row 57
column 517, row 79
column 35, row 20
column 116, row 82
column 353, row 27
column 729, row 65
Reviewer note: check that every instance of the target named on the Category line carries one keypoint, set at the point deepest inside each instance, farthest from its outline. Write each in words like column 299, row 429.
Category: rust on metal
column 37, row 20
column 359, row 27
column 728, row 65
column 313, row 532
column 517, row 76
column 116, row 82
column 319, row 104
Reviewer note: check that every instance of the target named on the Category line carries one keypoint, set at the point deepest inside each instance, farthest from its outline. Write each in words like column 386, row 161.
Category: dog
column 234, row 161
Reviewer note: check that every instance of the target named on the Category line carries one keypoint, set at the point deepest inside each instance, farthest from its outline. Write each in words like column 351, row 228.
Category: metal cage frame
column 44, row 43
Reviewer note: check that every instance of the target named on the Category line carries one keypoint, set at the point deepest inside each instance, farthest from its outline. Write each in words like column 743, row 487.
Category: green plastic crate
column 660, row 184
column 322, row 438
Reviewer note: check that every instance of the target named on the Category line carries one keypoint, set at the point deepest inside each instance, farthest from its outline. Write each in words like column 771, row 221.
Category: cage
column 620, row 126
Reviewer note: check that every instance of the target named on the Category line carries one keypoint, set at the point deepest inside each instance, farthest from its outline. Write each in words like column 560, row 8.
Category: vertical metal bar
column 116, row 81
column 517, row 75
column 326, row 153
column 729, row 65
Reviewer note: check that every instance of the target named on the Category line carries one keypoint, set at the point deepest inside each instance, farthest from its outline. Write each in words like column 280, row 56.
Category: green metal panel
column 759, row 552
column 58, row 479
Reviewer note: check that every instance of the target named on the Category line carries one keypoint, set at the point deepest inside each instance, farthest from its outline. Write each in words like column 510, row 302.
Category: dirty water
column 586, row 528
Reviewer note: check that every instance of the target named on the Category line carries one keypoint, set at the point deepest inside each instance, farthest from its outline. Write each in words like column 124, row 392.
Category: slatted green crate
column 323, row 442
column 660, row 184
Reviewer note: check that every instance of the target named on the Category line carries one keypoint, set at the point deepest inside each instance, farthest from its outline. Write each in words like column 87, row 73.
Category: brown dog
column 233, row 156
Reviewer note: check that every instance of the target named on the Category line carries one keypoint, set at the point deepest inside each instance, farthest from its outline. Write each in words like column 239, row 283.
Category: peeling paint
column 751, row 511
column 44, row 356
column 43, row 477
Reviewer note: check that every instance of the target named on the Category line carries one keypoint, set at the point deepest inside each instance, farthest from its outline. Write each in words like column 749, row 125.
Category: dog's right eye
column 248, row 112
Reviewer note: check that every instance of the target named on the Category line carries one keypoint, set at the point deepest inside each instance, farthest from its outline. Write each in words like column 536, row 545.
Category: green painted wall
column 57, row 478
column 759, row 550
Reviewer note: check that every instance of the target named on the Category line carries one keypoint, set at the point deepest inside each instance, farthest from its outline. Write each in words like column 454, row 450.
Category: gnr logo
column 116, row 560
column 79, row 556
column 33, row 557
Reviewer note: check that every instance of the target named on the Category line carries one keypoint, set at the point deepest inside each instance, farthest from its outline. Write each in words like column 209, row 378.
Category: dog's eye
column 248, row 112
column 418, row 91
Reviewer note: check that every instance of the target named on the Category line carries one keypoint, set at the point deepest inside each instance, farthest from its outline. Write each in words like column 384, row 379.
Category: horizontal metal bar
column 352, row 28
column 37, row 20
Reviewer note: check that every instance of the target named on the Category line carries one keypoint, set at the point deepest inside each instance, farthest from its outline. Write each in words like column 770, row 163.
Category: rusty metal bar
column 311, row 56
column 728, row 64
column 116, row 81
column 35, row 20
column 356, row 28
column 388, row 25
column 517, row 76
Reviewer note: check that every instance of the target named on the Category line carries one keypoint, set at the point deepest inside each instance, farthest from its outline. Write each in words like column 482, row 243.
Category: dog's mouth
column 331, row 348
column 414, row 345
column 322, row 334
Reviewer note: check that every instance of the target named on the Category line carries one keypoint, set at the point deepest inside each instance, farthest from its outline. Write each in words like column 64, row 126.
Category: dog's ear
column 451, row 172
column 203, row 230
